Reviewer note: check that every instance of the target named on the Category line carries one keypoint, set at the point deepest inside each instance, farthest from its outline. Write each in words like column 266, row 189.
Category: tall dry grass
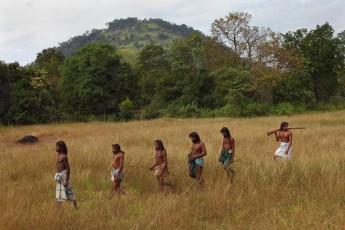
column 304, row 193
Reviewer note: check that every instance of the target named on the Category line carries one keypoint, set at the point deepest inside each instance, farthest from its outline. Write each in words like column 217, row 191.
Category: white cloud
column 30, row 26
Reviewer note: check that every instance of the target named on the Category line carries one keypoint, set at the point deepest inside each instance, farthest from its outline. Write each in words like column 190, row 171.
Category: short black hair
column 284, row 123
column 63, row 146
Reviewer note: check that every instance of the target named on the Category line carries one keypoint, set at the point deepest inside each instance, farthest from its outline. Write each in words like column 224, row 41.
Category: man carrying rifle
column 285, row 137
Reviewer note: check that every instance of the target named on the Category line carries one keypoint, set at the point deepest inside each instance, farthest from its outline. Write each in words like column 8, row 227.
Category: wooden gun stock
column 276, row 130
column 271, row 132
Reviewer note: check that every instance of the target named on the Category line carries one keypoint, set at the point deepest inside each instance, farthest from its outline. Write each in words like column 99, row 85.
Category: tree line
column 241, row 70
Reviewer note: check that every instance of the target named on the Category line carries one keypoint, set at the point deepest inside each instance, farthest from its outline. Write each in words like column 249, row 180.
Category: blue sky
column 29, row 26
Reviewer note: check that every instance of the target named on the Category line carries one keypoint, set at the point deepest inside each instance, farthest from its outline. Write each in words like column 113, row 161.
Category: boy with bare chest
column 117, row 168
column 196, row 158
column 161, row 166
column 227, row 152
column 64, row 190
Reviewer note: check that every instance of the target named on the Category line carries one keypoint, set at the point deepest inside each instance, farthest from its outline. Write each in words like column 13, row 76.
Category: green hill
column 129, row 35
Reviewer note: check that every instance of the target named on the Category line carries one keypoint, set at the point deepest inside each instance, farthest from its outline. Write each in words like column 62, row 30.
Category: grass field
column 304, row 193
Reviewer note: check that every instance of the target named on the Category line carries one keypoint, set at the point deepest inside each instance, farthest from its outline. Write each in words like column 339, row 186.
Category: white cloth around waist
column 282, row 149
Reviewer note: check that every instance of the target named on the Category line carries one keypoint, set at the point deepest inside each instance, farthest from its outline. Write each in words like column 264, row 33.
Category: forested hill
column 129, row 34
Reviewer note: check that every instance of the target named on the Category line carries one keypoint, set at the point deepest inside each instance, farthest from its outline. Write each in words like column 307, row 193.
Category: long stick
column 56, row 163
column 276, row 130
column 111, row 164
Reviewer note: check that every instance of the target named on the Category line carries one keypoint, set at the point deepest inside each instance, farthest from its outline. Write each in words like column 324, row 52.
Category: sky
column 29, row 26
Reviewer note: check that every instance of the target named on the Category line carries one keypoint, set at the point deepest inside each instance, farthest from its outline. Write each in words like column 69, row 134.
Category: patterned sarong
column 63, row 193
column 225, row 157
column 282, row 149
column 114, row 173
column 159, row 170
column 192, row 164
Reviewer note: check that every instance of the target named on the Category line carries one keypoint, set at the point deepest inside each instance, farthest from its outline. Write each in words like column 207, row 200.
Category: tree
column 325, row 55
column 153, row 65
column 236, row 86
column 235, row 31
column 273, row 62
column 30, row 99
column 294, row 86
column 188, row 55
column 200, row 91
column 254, row 37
column 153, row 57
column 229, row 30
column 50, row 60
column 126, row 109
column 218, row 55
column 95, row 81
column 9, row 75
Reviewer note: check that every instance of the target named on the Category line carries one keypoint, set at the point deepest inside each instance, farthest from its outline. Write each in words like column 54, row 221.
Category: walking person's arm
column 290, row 143
column 232, row 150
column 66, row 166
column 121, row 161
column 165, row 157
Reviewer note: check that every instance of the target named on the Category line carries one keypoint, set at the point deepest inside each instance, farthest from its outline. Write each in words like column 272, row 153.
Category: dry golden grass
column 304, row 193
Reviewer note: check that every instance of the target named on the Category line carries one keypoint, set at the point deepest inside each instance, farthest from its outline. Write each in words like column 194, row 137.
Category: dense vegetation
column 129, row 35
column 241, row 70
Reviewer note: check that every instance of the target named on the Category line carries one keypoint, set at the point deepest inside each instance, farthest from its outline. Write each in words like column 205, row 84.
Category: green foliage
column 325, row 55
column 200, row 91
column 153, row 57
column 294, row 87
column 128, row 34
column 153, row 66
column 163, row 70
column 50, row 60
column 126, row 109
column 174, row 110
column 188, row 54
column 95, row 81
column 150, row 112
column 30, row 100
column 284, row 108
column 237, row 86
column 9, row 75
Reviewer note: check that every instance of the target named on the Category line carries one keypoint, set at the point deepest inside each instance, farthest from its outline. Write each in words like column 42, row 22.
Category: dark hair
column 63, row 146
column 160, row 144
column 284, row 123
column 226, row 131
column 195, row 135
column 117, row 148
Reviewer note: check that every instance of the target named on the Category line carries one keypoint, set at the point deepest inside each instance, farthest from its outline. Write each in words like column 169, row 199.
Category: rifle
column 276, row 130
